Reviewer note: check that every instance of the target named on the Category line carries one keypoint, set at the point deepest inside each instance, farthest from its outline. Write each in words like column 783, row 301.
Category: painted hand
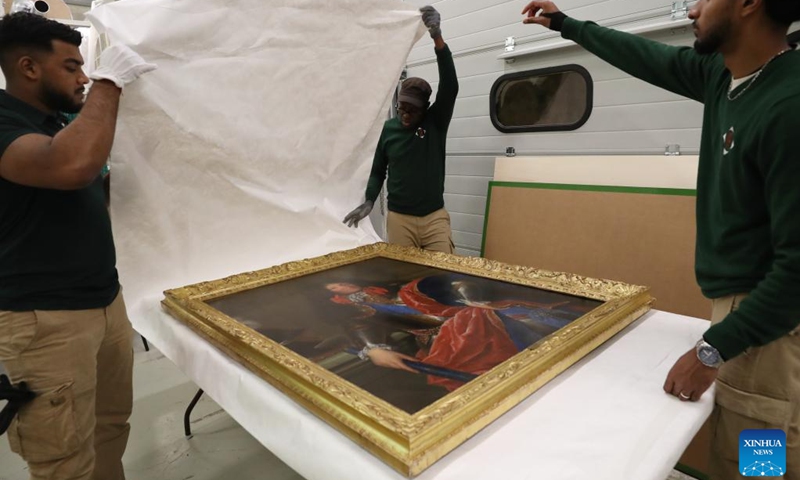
column 390, row 359
column 689, row 378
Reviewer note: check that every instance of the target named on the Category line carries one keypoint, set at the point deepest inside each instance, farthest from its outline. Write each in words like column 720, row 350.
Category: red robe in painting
column 472, row 339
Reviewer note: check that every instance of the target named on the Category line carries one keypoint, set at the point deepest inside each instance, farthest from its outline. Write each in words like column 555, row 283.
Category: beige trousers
column 758, row 389
column 80, row 364
column 431, row 232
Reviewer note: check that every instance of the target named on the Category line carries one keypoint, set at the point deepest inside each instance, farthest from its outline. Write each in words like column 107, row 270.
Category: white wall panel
column 629, row 116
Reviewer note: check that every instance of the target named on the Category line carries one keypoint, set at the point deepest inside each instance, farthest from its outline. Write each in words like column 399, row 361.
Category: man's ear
column 29, row 67
column 750, row 7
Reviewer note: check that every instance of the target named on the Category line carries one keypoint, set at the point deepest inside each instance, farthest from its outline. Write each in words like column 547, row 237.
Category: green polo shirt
column 56, row 247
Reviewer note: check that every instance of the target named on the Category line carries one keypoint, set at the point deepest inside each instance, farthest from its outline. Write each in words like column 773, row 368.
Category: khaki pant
column 80, row 365
column 431, row 232
column 758, row 389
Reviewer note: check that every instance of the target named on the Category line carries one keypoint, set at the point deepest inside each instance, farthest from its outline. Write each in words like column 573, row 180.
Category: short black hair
column 27, row 30
column 783, row 12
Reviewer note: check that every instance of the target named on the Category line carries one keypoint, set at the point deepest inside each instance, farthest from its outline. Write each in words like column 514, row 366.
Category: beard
column 713, row 40
column 60, row 101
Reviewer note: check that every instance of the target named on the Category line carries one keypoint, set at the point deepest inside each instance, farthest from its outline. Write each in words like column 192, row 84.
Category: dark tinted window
column 558, row 98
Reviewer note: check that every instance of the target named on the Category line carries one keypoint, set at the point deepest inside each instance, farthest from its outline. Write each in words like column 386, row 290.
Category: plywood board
column 641, row 236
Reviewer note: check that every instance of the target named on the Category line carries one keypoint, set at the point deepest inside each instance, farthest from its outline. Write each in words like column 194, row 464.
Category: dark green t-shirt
column 56, row 248
column 748, row 185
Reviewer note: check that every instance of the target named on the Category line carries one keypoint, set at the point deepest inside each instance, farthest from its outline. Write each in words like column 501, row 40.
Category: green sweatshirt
column 748, row 185
column 415, row 158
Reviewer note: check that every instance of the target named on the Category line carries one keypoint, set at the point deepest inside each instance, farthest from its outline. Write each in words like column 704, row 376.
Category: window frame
column 569, row 68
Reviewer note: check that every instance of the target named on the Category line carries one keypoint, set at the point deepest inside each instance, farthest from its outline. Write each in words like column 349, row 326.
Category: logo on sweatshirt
column 421, row 132
column 762, row 453
column 728, row 142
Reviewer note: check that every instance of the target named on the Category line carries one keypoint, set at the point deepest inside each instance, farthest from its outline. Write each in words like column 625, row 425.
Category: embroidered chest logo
column 421, row 132
column 728, row 142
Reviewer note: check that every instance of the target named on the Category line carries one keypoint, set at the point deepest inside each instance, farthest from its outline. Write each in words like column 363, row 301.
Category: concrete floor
column 158, row 450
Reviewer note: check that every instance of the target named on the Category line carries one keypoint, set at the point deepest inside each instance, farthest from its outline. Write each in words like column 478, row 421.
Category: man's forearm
column 677, row 69
column 438, row 42
column 374, row 185
column 86, row 142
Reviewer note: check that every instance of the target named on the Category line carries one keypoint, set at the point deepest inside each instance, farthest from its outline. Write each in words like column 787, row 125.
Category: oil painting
column 407, row 352
column 406, row 333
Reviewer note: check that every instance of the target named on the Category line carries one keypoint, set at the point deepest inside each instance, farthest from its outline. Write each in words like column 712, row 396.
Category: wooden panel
column 637, row 171
column 645, row 239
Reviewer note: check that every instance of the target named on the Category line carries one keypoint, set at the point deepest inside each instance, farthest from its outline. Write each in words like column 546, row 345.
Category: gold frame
column 411, row 443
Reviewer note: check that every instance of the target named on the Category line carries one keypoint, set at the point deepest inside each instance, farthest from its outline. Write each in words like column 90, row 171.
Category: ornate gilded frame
column 411, row 443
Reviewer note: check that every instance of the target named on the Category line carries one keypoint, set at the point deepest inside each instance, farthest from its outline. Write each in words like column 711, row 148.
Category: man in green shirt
column 412, row 147
column 748, row 202
column 64, row 330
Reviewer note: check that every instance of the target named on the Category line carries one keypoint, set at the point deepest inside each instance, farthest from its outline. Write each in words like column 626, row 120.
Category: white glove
column 121, row 65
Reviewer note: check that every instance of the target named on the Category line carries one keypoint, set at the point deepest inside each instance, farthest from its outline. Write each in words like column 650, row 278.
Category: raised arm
column 442, row 108
column 678, row 69
column 73, row 158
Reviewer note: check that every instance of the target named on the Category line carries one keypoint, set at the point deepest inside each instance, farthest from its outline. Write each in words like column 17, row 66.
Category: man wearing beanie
column 748, row 234
column 412, row 148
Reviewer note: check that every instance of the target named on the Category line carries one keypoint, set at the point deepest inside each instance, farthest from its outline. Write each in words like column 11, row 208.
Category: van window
column 549, row 99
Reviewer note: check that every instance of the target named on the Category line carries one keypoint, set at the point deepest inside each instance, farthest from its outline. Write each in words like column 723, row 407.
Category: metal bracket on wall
column 511, row 44
column 680, row 9
column 672, row 150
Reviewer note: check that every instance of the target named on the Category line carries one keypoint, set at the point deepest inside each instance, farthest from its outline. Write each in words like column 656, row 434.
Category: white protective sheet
column 245, row 150
column 606, row 418
column 253, row 139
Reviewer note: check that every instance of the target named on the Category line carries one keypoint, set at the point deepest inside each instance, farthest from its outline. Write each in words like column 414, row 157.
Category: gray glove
column 358, row 214
column 432, row 20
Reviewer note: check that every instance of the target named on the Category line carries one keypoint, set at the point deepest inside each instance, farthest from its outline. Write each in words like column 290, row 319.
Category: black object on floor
column 17, row 396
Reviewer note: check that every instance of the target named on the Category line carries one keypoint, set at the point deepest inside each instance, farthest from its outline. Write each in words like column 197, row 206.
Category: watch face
column 708, row 355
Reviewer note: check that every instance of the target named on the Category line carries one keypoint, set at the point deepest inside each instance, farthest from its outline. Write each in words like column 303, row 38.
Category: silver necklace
column 755, row 77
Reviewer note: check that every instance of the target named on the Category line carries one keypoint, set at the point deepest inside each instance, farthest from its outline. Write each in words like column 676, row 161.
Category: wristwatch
column 707, row 354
